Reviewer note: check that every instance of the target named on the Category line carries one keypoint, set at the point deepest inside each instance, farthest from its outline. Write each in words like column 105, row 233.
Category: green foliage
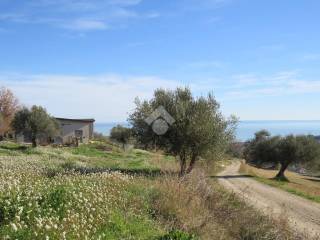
column 283, row 150
column 283, row 185
column 121, row 134
column 40, row 199
column 235, row 149
column 15, row 149
column 73, row 206
column 56, row 199
column 88, row 150
column 36, row 122
column 128, row 226
column 12, row 146
column 199, row 129
column 177, row 235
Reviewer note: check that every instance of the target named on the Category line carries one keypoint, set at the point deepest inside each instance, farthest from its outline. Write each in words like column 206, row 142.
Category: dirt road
column 303, row 214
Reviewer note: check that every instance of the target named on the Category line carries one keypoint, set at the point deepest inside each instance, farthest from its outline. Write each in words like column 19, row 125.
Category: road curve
column 303, row 215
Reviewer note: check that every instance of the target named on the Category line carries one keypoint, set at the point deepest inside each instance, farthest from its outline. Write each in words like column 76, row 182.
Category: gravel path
column 303, row 214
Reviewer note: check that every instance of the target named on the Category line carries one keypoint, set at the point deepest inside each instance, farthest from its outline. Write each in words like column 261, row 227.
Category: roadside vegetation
column 268, row 158
column 99, row 191
column 301, row 185
column 300, row 150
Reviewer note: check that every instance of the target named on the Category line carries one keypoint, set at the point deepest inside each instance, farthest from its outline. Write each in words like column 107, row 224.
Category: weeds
column 62, row 193
column 200, row 206
column 295, row 184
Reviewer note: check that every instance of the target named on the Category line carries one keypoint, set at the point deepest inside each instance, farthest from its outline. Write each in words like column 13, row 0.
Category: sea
column 246, row 129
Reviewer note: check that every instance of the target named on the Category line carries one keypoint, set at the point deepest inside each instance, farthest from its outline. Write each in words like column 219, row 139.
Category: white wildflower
column 14, row 227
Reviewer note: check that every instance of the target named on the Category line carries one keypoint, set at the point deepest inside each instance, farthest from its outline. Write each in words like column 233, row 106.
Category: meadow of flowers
column 97, row 191
column 36, row 204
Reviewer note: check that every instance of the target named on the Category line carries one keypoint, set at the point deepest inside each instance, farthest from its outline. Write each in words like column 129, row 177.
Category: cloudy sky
column 91, row 58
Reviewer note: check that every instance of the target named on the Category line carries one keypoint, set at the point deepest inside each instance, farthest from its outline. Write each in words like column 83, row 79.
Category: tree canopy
column 36, row 122
column 121, row 134
column 283, row 150
column 187, row 127
column 8, row 106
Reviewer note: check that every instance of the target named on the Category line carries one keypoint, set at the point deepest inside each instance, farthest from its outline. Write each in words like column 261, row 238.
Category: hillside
column 97, row 191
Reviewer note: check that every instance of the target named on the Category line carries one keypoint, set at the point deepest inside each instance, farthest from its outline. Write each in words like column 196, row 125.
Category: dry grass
column 304, row 186
column 201, row 206
column 118, row 205
column 163, row 162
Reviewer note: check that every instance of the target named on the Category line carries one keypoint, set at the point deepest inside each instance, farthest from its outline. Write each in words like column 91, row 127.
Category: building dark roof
column 76, row 120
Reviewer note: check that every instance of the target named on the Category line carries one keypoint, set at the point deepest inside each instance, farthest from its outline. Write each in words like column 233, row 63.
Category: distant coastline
column 247, row 128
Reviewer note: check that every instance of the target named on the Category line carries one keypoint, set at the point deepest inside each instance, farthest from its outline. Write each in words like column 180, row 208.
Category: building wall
column 69, row 128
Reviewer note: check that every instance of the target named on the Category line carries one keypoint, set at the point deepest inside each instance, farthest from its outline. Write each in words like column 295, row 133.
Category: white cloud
column 250, row 86
column 311, row 57
column 81, row 24
column 82, row 5
column 79, row 15
column 104, row 97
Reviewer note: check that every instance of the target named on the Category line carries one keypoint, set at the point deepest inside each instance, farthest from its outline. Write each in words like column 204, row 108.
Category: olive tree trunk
column 34, row 141
column 192, row 163
column 183, row 165
column 283, row 168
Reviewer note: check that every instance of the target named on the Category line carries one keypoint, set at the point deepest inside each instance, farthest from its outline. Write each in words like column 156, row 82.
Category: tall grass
column 200, row 206
column 43, row 195
column 302, row 186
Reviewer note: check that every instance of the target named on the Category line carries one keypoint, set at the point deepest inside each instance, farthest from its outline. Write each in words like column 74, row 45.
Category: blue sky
column 261, row 59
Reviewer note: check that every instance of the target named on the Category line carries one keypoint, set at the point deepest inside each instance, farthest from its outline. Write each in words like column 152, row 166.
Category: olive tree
column 261, row 148
column 36, row 122
column 121, row 135
column 297, row 149
column 196, row 127
column 282, row 150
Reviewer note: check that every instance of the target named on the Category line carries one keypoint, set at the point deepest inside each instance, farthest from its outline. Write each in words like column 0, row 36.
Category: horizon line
column 244, row 120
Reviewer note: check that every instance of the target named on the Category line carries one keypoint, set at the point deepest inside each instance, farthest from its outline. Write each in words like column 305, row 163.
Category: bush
column 177, row 235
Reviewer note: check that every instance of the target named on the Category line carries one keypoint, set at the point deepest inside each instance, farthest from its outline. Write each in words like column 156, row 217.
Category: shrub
column 177, row 235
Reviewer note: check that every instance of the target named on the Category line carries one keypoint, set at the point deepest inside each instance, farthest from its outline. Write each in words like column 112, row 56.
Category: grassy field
column 74, row 193
column 98, row 191
column 304, row 186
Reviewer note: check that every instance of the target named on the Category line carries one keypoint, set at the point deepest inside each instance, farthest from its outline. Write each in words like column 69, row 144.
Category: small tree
column 121, row 135
column 262, row 148
column 8, row 107
column 283, row 150
column 35, row 122
column 297, row 149
column 199, row 130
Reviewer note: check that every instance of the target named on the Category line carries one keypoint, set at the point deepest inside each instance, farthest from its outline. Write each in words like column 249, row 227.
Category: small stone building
column 72, row 130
